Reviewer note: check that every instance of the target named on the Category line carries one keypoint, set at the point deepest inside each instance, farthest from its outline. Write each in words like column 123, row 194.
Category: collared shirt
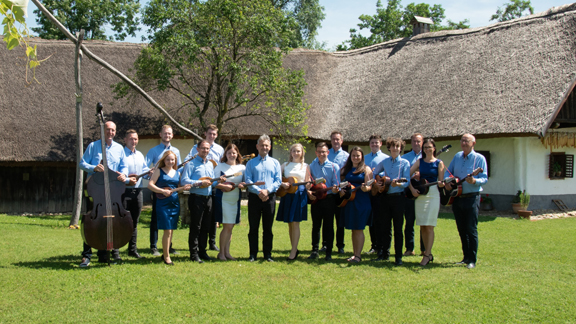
column 338, row 157
column 114, row 155
column 394, row 169
column 194, row 170
column 155, row 153
column 265, row 169
column 136, row 164
column 462, row 166
column 373, row 159
column 412, row 157
column 215, row 154
column 329, row 171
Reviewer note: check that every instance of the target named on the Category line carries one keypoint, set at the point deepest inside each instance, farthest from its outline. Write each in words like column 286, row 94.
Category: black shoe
column 328, row 257
column 341, row 251
column 155, row 252
column 103, row 260
column 213, row 247
column 297, row 252
column 116, row 257
column 168, row 263
column 323, row 249
column 172, row 251
column 381, row 257
column 462, row 262
column 196, row 258
column 135, row 254
column 269, row 259
column 371, row 251
column 252, row 258
column 204, row 256
column 398, row 262
column 85, row 263
column 313, row 255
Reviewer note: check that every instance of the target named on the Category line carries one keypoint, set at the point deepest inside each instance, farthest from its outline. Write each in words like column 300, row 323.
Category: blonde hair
column 162, row 163
column 290, row 159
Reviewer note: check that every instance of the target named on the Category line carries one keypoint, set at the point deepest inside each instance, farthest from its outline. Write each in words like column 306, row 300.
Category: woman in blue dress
column 164, row 182
column 357, row 213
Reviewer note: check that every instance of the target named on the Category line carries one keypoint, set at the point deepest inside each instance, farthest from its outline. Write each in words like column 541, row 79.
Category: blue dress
column 357, row 213
column 294, row 207
column 168, row 209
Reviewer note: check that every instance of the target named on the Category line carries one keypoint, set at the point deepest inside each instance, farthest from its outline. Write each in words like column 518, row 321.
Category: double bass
column 108, row 225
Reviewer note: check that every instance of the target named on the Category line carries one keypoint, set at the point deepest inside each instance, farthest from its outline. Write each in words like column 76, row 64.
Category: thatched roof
column 506, row 78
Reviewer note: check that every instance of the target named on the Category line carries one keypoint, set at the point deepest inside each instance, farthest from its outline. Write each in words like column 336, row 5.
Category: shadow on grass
column 481, row 219
column 65, row 262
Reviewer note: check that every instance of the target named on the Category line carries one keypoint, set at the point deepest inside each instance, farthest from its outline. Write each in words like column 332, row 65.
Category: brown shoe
column 409, row 253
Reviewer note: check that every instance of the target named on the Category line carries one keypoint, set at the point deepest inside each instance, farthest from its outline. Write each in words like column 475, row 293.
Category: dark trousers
column 103, row 255
column 153, row 224
column 265, row 210
column 392, row 212
column 132, row 201
column 339, row 229
column 200, row 220
column 323, row 212
column 410, row 216
column 466, row 215
column 376, row 230
column 212, row 232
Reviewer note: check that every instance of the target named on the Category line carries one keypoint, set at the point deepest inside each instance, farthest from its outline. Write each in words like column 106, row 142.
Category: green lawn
column 525, row 273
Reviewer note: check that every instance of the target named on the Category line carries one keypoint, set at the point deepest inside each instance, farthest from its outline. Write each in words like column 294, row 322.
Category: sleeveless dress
column 357, row 213
column 168, row 209
column 294, row 207
column 427, row 206
column 227, row 204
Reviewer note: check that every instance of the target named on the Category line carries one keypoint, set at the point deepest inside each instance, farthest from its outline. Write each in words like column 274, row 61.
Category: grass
column 525, row 273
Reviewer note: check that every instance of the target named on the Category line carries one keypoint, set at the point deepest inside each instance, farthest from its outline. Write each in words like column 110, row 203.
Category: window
column 560, row 166
column 486, row 154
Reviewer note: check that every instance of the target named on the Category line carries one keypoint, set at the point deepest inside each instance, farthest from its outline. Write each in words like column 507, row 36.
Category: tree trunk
column 79, row 134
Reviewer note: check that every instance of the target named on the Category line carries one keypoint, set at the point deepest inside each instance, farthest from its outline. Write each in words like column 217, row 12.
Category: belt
column 469, row 195
column 395, row 194
column 203, row 196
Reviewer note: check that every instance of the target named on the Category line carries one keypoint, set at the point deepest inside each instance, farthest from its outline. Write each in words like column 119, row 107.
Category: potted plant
column 516, row 206
column 556, row 169
column 524, row 202
column 486, row 203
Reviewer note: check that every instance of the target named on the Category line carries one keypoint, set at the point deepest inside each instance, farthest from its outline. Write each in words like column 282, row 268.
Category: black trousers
column 376, row 230
column 323, row 212
column 212, row 233
column 410, row 216
column 466, row 215
column 392, row 212
column 265, row 210
column 339, row 229
column 132, row 201
column 153, row 225
column 200, row 210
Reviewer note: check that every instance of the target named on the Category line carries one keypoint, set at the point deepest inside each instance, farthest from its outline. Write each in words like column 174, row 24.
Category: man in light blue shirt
column 392, row 203
column 262, row 199
column 338, row 156
column 92, row 162
column 465, row 207
column 132, row 198
column 410, row 210
column 372, row 160
column 323, row 210
column 199, row 201
column 152, row 157
column 215, row 154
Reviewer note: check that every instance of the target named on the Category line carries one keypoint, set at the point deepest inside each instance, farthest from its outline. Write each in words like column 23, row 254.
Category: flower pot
column 516, row 207
column 486, row 205
column 525, row 213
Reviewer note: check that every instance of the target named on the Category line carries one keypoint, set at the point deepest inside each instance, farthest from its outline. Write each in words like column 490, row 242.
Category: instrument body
column 350, row 192
column 259, row 183
column 281, row 192
column 382, row 184
column 320, row 191
column 447, row 196
column 199, row 184
column 108, row 225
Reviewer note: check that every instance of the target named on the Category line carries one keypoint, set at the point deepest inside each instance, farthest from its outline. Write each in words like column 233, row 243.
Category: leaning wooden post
column 79, row 134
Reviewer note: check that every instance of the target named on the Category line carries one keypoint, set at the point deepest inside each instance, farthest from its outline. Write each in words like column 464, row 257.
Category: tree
column 92, row 16
column 307, row 16
column 514, row 9
column 393, row 22
column 224, row 58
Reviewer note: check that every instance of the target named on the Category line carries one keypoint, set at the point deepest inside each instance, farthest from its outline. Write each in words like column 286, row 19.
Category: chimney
column 420, row 25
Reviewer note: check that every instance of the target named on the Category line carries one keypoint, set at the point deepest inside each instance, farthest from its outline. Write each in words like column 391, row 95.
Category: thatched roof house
column 510, row 79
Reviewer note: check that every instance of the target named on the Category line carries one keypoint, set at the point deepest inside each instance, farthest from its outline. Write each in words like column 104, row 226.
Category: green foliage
column 516, row 199
column 514, row 9
column 306, row 17
column 14, row 36
column 90, row 15
column 393, row 21
column 524, row 199
column 224, row 58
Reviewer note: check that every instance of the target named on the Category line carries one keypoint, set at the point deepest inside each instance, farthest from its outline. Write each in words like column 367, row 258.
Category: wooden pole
column 110, row 68
column 79, row 133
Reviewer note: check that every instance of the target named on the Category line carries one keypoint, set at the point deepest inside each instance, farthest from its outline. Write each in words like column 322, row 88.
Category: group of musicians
column 351, row 181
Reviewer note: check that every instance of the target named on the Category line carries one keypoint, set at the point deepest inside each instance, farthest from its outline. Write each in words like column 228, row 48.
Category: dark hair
column 336, row 132
column 200, row 143
column 378, row 137
column 321, row 144
column 431, row 141
column 392, row 141
column 348, row 166
column 232, row 147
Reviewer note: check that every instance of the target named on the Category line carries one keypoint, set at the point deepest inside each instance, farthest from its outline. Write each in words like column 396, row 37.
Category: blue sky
column 341, row 15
